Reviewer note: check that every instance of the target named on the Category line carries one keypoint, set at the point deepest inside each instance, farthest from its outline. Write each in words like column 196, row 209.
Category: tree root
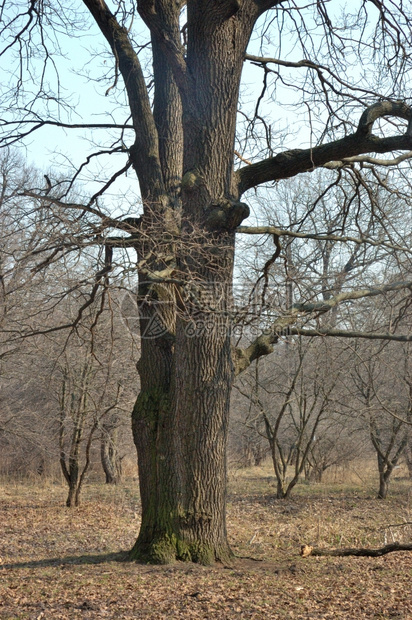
column 307, row 550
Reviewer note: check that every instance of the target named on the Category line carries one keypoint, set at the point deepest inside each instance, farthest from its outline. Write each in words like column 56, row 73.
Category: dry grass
column 67, row 564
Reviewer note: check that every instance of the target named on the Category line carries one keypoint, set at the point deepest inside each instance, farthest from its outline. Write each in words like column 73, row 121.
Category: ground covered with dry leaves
column 57, row 563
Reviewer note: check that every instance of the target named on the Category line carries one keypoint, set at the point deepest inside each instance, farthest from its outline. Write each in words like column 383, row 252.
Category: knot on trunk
column 191, row 181
column 227, row 214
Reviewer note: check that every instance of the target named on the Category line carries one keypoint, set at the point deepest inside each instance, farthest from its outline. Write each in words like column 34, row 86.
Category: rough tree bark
column 180, row 420
column 183, row 156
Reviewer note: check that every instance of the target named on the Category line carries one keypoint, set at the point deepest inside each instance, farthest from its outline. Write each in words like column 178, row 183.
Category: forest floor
column 57, row 563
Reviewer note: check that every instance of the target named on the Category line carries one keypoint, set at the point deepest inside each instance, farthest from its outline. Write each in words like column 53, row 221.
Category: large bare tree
column 178, row 134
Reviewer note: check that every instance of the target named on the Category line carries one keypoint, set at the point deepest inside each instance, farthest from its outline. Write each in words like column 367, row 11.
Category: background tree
column 21, row 439
column 40, row 392
column 110, row 450
column 179, row 137
column 334, row 445
column 384, row 405
column 291, row 399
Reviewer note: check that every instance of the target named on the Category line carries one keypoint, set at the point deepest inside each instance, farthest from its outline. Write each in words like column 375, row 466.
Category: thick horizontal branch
column 373, row 291
column 283, row 325
column 265, row 5
column 307, row 550
column 290, row 163
column 342, row 333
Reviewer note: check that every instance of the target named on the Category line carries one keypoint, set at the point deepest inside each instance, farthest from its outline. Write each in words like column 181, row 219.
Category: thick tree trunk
column 280, row 469
column 202, row 423
column 180, row 420
column 151, row 416
column 315, row 473
column 182, row 479
column 72, row 499
column 180, row 427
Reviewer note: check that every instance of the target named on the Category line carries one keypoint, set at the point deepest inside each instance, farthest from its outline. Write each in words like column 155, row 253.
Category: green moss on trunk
column 168, row 548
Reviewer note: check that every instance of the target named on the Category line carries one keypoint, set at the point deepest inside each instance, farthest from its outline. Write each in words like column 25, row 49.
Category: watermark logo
column 205, row 307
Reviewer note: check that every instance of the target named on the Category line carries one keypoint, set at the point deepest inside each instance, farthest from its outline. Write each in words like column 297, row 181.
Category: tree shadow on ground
column 71, row 560
column 239, row 564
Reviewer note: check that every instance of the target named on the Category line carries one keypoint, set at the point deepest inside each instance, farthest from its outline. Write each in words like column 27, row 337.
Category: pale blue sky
column 59, row 150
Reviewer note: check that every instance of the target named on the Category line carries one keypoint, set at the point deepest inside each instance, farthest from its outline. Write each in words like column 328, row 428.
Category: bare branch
column 290, row 163
column 35, row 125
column 368, row 160
column 263, row 345
column 246, row 161
column 273, row 230
column 307, row 550
column 308, row 64
column 145, row 151
column 342, row 333
column 106, row 220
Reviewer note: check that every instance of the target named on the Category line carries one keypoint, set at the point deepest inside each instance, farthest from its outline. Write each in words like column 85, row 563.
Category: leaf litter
column 57, row 563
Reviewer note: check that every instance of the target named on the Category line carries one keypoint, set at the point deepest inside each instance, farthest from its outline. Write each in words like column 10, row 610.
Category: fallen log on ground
column 307, row 550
